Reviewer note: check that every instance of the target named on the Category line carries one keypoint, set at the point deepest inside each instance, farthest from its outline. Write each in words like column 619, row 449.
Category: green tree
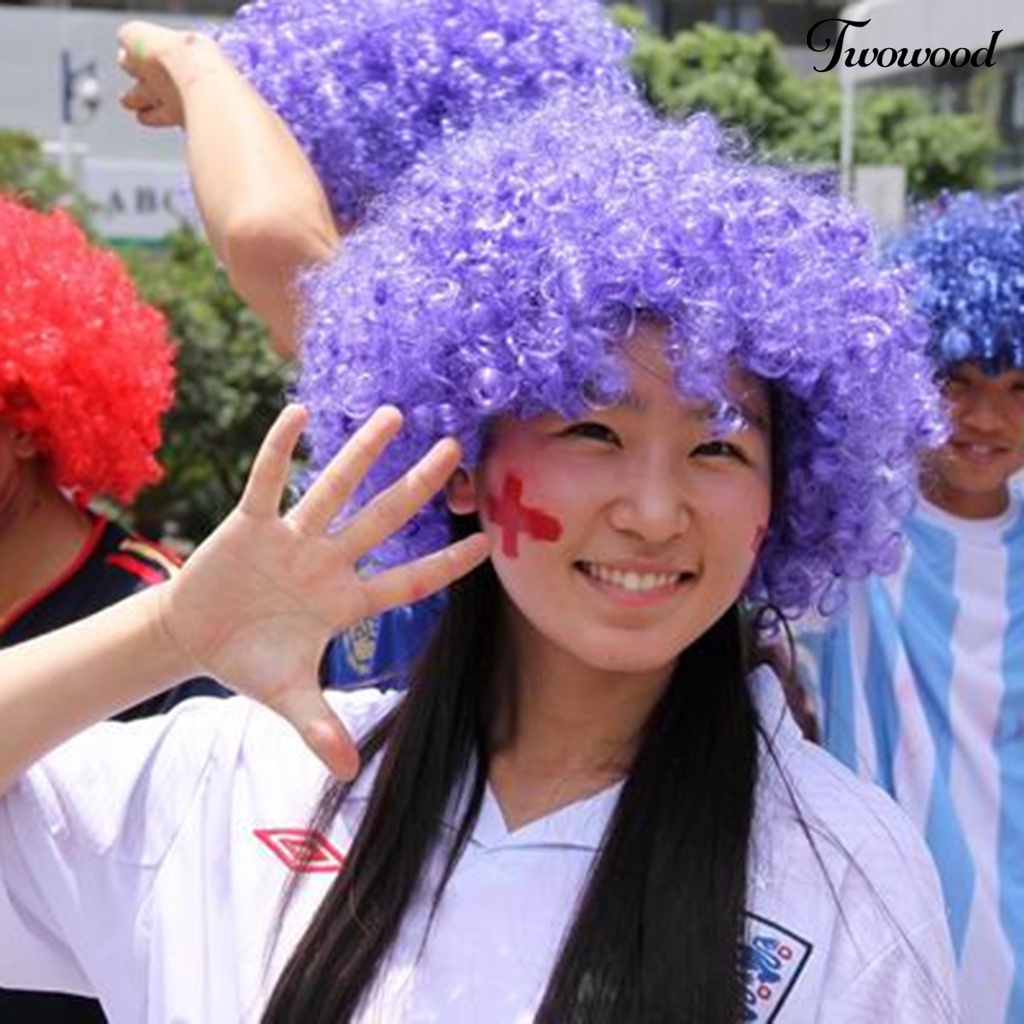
column 229, row 384
column 229, row 389
column 27, row 174
column 746, row 82
column 940, row 151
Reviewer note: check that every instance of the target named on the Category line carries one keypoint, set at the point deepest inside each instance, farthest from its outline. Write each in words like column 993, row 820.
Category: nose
column 652, row 502
column 979, row 411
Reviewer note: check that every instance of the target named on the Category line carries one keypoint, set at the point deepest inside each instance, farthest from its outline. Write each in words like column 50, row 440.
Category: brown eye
column 592, row 431
column 719, row 448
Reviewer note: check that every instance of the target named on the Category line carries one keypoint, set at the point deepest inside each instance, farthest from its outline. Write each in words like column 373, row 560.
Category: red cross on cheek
column 514, row 518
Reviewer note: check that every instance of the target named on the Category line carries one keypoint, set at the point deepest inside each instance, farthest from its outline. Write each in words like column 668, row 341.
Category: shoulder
column 848, row 812
column 801, row 779
column 837, row 855
column 1015, row 532
column 151, row 772
column 120, row 563
column 144, row 773
column 890, row 942
column 134, row 559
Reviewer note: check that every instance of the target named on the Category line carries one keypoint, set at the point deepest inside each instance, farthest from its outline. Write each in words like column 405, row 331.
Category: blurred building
column 60, row 81
column 790, row 20
column 995, row 90
column 132, row 7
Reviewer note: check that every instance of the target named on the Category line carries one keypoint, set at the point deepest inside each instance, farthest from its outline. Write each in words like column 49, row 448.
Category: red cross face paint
column 514, row 518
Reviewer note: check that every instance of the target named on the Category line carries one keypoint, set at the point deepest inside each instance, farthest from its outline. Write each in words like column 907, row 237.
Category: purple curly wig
column 366, row 85
column 972, row 252
column 502, row 274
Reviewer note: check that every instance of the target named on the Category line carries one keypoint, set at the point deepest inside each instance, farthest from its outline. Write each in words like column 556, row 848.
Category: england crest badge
column 771, row 960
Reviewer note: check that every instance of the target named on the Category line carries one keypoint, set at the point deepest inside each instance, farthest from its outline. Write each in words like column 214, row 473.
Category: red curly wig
column 85, row 365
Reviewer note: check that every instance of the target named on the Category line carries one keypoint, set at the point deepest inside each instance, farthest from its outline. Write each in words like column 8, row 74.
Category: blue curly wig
column 501, row 276
column 366, row 85
column 972, row 252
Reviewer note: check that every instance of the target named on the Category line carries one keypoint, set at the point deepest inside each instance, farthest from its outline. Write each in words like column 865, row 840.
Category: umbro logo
column 301, row 850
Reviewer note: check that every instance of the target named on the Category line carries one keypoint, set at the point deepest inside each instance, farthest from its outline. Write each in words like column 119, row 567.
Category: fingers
column 133, row 47
column 157, row 58
column 321, row 730
column 138, row 98
column 396, row 505
column 130, row 31
column 157, row 117
column 148, row 109
column 272, row 465
column 409, row 583
column 142, row 41
column 322, row 502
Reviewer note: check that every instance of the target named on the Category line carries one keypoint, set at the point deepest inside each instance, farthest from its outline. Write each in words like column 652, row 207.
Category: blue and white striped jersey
column 920, row 683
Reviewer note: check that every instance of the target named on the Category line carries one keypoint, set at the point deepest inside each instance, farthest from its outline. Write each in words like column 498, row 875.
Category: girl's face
column 622, row 536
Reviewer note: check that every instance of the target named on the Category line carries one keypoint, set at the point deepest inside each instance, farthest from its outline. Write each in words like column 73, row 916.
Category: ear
column 460, row 492
column 23, row 444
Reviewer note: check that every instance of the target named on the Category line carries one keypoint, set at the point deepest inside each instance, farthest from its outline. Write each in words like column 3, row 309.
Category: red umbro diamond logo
column 300, row 849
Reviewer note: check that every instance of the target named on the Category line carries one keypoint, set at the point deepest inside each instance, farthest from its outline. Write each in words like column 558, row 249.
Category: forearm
column 261, row 202
column 64, row 681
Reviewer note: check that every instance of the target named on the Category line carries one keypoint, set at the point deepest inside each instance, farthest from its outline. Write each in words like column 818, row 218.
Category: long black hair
column 656, row 932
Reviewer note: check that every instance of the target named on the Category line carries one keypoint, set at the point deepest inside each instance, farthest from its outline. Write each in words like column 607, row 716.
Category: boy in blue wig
column 921, row 678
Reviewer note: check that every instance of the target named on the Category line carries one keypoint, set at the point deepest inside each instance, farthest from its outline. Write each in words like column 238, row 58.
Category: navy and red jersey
column 112, row 564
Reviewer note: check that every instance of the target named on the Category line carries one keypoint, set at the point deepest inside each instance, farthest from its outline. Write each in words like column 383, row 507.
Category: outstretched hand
column 258, row 601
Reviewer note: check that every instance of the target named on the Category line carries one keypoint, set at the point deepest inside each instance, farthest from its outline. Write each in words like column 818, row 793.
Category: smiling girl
column 682, row 388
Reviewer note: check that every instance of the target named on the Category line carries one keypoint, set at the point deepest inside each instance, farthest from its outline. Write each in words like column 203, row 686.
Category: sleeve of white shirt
column 892, row 955
column 83, row 832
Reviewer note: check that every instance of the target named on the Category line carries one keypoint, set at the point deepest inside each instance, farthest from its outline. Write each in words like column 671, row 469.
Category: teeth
column 632, row 581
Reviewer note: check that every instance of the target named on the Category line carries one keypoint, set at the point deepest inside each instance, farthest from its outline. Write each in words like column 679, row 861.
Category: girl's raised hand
column 258, row 601
column 163, row 62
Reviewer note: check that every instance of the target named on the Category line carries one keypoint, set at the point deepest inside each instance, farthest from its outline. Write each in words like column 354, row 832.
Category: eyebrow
column 632, row 402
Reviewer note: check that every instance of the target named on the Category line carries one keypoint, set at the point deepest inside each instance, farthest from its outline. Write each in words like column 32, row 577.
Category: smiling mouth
column 973, row 449
column 633, row 582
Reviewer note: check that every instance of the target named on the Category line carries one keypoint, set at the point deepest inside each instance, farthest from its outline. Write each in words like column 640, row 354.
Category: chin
column 618, row 657
column 979, row 480
column 980, row 488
